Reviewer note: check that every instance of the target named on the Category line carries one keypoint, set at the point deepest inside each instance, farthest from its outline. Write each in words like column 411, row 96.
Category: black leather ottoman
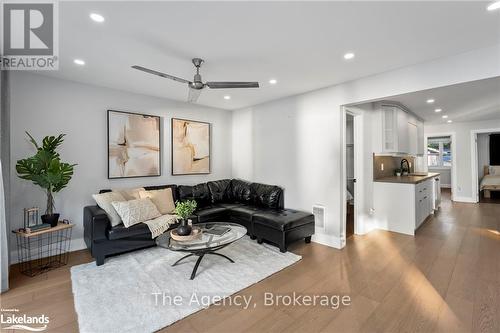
column 283, row 227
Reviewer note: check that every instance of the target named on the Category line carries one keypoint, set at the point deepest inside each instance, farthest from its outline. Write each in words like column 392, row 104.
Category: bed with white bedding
column 491, row 180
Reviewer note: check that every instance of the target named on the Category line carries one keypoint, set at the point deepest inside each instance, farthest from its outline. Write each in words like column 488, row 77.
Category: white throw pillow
column 104, row 201
column 162, row 199
column 495, row 170
column 136, row 211
column 129, row 193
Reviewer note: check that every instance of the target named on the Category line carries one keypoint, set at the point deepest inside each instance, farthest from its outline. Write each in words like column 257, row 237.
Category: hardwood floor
column 446, row 279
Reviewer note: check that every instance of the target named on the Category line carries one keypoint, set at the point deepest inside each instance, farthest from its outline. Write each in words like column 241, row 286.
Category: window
column 439, row 152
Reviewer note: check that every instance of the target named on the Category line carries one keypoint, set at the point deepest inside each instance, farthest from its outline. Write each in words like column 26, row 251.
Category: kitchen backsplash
column 390, row 164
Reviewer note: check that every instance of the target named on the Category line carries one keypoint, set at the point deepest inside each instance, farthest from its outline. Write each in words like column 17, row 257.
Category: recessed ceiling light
column 348, row 56
column 449, row 121
column 430, row 101
column 97, row 17
column 438, row 110
column 273, row 81
column 445, row 116
column 79, row 62
column 227, row 97
column 493, row 6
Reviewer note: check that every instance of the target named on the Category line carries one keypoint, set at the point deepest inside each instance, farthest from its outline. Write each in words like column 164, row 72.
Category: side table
column 43, row 250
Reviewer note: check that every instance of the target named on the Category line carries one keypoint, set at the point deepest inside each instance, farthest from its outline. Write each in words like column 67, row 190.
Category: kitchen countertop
column 411, row 179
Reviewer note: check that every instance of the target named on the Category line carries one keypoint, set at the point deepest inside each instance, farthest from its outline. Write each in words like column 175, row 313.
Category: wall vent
column 319, row 216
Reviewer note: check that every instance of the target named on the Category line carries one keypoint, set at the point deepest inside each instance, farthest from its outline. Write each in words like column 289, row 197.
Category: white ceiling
column 300, row 44
column 471, row 101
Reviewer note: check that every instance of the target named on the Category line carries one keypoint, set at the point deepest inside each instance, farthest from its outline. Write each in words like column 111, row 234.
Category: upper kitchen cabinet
column 401, row 131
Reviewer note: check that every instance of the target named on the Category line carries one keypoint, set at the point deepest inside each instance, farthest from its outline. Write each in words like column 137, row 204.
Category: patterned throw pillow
column 136, row 211
column 162, row 199
column 104, row 201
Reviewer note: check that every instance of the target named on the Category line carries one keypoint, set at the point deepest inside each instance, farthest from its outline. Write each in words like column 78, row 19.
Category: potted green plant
column 397, row 172
column 46, row 170
column 184, row 210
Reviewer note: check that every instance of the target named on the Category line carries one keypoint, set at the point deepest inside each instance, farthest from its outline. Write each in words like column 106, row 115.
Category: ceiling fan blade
column 226, row 85
column 167, row 76
column 193, row 95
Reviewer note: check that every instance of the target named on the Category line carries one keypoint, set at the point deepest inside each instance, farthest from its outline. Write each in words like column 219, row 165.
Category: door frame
column 453, row 136
column 474, row 159
column 358, row 171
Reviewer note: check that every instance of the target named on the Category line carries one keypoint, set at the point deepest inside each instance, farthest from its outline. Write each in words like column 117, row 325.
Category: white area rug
column 119, row 296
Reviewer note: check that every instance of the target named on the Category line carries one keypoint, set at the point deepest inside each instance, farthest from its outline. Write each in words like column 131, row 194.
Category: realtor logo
column 29, row 36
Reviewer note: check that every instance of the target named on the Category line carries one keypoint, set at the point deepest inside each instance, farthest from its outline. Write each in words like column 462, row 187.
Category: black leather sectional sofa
column 259, row 207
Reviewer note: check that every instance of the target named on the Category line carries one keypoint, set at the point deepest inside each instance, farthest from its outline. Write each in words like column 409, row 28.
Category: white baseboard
column 464, row 199
column 328, row 240
column 76, row 245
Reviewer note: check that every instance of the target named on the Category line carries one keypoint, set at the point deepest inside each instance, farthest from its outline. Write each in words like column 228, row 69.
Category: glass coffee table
column 207, row 243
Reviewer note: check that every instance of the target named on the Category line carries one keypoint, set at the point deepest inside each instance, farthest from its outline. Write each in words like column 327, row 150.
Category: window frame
column 441, row 142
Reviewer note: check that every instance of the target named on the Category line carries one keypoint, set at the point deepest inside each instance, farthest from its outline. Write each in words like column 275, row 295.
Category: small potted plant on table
column 46, row 170
column 184, row 210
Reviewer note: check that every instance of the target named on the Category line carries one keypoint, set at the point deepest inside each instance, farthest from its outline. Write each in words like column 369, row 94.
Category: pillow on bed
column 494, row 170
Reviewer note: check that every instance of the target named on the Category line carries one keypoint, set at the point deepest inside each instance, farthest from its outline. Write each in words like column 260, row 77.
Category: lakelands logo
column 10, row 319
column 29, row 35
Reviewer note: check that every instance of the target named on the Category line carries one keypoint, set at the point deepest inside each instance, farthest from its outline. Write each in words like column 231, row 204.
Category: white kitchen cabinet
column 423, row 201
column 402, row 207
column 420, row 138
column 412, row 139
column 401, row 131
column 389, row 128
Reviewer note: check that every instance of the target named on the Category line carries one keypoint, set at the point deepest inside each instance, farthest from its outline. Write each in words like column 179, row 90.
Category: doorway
column 485, row 186
column 440, row 157
column 350, row 179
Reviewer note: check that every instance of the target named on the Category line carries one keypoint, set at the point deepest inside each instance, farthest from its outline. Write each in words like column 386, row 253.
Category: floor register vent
column 319, row 216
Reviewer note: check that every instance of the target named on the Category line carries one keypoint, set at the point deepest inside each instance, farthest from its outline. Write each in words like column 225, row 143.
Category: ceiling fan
column 196, row 86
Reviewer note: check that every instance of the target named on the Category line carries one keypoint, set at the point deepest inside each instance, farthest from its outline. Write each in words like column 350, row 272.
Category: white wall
column 47, row 106
column 297, row 141
column 463, row 152
column 445, row 176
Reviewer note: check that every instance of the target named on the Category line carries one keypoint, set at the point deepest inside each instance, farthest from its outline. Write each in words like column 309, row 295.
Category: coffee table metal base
column 200, row 255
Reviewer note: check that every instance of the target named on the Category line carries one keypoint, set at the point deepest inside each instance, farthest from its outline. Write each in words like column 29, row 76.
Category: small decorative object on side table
column 31, row 221
column 184, row 210
column 41, row 251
